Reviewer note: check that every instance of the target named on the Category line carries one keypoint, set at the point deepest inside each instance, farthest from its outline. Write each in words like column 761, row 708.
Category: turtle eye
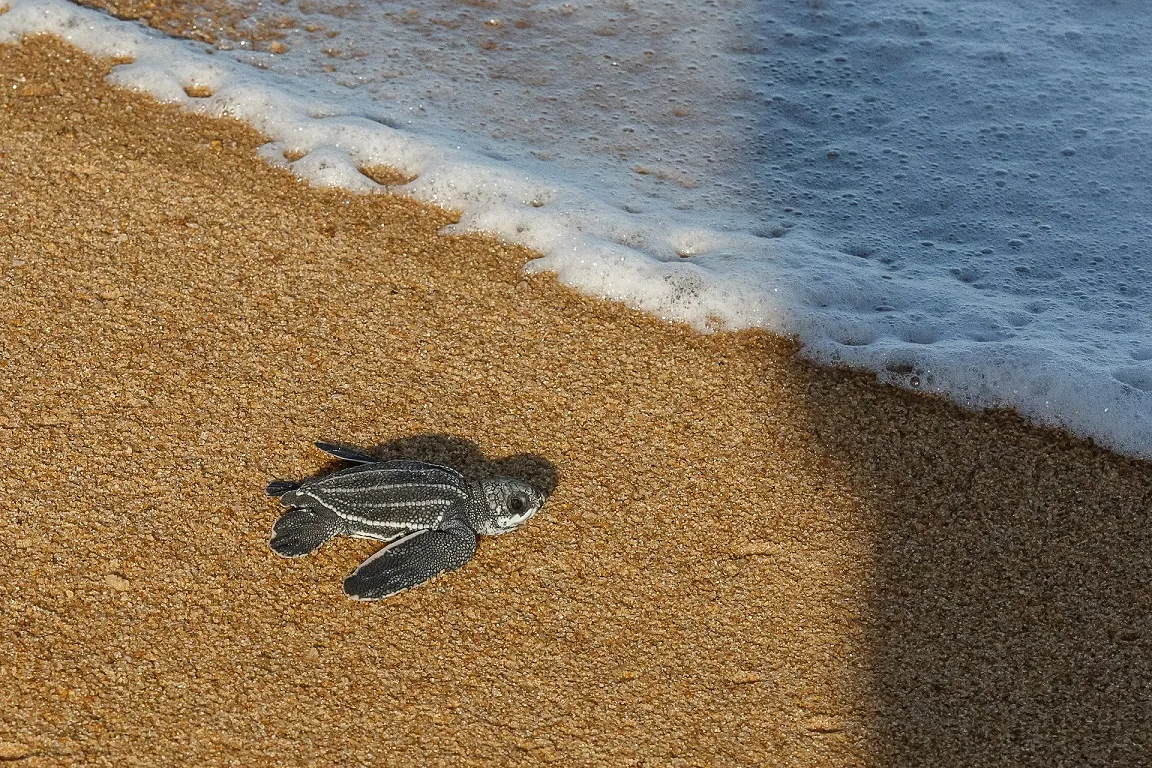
column 516, row 504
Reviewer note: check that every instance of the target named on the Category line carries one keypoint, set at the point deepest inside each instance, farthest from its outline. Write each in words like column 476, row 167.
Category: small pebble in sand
column 746, row 677
column 824, row 724
column 117, row 582
column 751, row 548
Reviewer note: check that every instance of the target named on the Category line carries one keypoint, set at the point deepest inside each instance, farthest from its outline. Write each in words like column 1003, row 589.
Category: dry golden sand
column 746, row 561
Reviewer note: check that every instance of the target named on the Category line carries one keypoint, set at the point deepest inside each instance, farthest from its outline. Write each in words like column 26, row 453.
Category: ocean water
column 953, row 193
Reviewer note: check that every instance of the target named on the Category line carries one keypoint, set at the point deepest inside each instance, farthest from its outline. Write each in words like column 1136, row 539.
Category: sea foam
column 953, row 194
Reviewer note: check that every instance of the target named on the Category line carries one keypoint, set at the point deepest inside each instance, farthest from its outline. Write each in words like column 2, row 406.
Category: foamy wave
column 926, row 214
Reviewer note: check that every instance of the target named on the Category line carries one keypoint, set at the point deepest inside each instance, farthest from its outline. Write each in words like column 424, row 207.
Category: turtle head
column 509, row 503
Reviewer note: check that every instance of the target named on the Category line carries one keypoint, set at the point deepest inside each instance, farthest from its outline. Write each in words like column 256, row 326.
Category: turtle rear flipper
column 300, row 531
column 278, row 488
column 409, row 561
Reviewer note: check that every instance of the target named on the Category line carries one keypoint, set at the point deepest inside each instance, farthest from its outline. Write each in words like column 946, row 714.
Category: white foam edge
column 620, row 258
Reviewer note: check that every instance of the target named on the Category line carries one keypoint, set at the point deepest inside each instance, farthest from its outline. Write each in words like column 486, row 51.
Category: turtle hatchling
column 429, row 515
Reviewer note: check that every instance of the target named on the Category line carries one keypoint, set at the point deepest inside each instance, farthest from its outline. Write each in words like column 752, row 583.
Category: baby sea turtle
column 429, row 514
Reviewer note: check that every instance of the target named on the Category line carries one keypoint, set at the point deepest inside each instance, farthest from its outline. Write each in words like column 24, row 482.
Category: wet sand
column 746, row 560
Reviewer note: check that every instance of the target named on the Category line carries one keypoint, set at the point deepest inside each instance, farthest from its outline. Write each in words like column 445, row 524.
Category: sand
column 746, row 560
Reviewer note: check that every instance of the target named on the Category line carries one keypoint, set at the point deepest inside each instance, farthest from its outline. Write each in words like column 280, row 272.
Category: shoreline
column 747, row 559
column 597, row 247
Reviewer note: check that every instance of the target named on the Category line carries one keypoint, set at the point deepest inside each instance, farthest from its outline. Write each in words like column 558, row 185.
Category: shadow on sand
column 1011, row 615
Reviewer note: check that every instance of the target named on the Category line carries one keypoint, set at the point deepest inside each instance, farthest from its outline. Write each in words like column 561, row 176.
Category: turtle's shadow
column 460, row 454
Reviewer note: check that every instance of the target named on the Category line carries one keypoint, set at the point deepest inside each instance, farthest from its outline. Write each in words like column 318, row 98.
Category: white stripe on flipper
column 376, row 535
column 396, row 543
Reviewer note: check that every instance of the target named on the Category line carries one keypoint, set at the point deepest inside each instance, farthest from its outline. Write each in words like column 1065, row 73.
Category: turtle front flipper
column 412, row 560
column 345, row 453
column 301, row 531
